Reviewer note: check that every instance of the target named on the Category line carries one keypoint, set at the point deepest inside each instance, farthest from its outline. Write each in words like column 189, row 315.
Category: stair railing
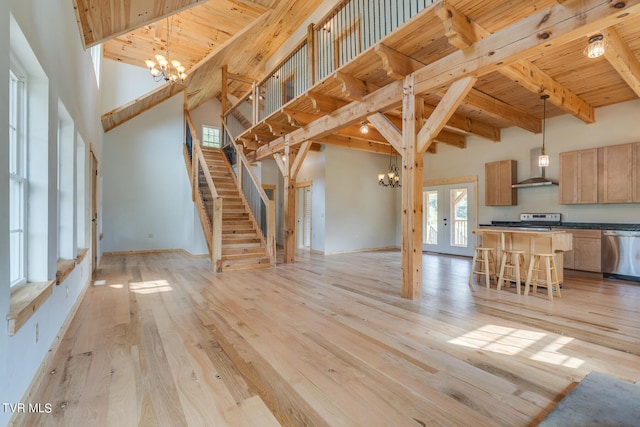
column 261, row 207
column 206, row 197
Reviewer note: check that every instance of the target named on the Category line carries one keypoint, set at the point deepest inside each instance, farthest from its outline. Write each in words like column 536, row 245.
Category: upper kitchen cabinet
column 636, row 171
column 499, row 177
column 601, row 175
column 616, row 172
column 579, row 177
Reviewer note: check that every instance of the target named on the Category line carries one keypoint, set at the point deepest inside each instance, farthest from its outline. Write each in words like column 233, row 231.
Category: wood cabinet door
column 588, row 176
column 499, row 176
column 491, row 174
column 568, row 183
column 636, row 172
column 587, row 254
column 616, row 184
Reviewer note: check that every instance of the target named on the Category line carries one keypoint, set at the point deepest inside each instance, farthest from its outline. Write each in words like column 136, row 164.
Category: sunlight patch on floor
column 511, row 341
column 150, row 287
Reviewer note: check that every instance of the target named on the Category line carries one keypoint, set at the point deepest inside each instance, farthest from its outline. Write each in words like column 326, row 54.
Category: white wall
column 147, row 195
column 615, row 124
column 207, row 114
column 5, row 296
column 359, row 213
column 51, row 34
column 314, row 169
column 125, row 82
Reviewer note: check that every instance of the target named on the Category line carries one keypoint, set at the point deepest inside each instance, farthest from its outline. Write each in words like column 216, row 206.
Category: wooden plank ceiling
column 243, row 35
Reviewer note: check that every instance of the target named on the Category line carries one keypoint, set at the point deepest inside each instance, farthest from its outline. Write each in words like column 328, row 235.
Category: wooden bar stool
column 483, row 264
column 550, row 274
column 511, row 265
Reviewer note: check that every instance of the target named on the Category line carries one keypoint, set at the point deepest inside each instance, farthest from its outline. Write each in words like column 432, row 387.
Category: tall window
column 17, row 178
column 96, row 58
column 210, row 136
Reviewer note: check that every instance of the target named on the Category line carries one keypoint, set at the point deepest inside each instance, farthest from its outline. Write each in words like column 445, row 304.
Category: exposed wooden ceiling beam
column 324, row 104
column 396, row 64
column 352, row 88
column 462, row 33
column 357, row 144
column 501, row 110
column 529, row 76
column 552, row 26
column 200, row 76
column 444, row 110
column 622, row 59
column 138, row 106
column 391, row 133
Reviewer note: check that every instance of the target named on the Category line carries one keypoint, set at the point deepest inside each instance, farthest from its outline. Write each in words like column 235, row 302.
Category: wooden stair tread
column 242, row 244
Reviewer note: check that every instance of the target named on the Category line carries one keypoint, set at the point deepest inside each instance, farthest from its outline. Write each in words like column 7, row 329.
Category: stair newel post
column 216, row 235
column 271, row 231
column 239, row 150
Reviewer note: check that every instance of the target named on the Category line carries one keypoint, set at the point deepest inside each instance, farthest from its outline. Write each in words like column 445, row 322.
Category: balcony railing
column 288, row 81
column 357, row 25
column 350, row 29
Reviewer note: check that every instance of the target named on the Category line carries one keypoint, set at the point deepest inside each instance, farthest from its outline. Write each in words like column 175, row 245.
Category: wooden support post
column 412, row 167
column 256, row 104
column 289, row 207
column 225, row 91
column 311, row 55
column 216, row 235
column 240, row 149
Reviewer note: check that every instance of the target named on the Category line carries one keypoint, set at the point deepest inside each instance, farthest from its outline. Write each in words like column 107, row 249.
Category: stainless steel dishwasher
column 621, row 254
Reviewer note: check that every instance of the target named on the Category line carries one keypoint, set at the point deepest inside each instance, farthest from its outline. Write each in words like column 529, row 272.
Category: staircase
column 243, row 246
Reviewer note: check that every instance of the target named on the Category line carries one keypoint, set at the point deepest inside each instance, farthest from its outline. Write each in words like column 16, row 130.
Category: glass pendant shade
column 543, row 160
column 596, row 47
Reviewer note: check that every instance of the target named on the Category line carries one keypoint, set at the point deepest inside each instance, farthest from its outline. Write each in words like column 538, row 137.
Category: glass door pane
column 430, row 220
column 458, row 200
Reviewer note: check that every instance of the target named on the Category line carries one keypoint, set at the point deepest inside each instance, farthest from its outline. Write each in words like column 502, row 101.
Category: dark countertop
column 576, row 225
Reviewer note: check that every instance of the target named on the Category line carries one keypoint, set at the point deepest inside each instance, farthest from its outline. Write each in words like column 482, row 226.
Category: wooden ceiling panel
column 101, row 20
column 193, row 34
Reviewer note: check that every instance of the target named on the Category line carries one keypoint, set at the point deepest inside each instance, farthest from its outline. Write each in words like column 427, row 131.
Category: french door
column 448, row 218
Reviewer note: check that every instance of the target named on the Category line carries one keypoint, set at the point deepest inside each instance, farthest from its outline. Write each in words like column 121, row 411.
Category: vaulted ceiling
column 244, row 34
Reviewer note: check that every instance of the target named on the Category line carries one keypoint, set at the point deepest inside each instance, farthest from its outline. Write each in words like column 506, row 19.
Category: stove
column 533, row 220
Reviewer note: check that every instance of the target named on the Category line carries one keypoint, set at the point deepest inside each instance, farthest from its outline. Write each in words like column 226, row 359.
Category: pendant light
column 543, row 159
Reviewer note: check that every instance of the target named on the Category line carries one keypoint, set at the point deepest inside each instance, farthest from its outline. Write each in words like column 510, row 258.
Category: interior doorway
column 303, row 216
column 449, row 216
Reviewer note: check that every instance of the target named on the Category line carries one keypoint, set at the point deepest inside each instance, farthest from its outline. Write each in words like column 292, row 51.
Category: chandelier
column 166, row 69
column 392, row 177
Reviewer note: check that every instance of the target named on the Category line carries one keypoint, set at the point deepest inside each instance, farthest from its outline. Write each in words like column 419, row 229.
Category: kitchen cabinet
column 499, row 177
column 636, row 172
column 586, row 254
column 616, row 171
column 579, row 177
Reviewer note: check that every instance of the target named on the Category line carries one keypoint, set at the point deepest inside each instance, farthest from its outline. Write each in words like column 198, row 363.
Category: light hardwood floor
column 328, row 341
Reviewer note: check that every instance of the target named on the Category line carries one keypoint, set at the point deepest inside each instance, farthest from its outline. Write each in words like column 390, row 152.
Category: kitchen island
column 527, row 240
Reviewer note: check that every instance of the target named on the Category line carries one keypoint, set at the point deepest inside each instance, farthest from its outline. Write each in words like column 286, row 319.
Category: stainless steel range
column 533, row 220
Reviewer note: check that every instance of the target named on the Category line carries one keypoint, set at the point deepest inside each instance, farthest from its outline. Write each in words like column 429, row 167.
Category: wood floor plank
column 328, row 341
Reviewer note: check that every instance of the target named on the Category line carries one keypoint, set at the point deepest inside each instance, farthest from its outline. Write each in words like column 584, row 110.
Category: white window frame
column 210, row 143
column 96, row 59
column 18, row 174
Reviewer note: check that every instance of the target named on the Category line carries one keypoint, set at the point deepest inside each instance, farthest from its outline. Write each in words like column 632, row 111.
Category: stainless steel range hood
column 536, row 173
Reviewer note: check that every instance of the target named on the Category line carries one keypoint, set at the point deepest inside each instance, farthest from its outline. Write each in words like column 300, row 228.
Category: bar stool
column 549, row 271
column 511, row 265
column 483, row 264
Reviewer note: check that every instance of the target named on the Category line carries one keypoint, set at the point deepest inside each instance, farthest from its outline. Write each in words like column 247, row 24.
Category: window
column 210, row 136
column 17, row 178
column 96, row 58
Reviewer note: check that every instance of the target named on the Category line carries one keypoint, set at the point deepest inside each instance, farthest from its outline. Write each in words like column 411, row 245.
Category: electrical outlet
column 37, row 332
column 565, row 216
